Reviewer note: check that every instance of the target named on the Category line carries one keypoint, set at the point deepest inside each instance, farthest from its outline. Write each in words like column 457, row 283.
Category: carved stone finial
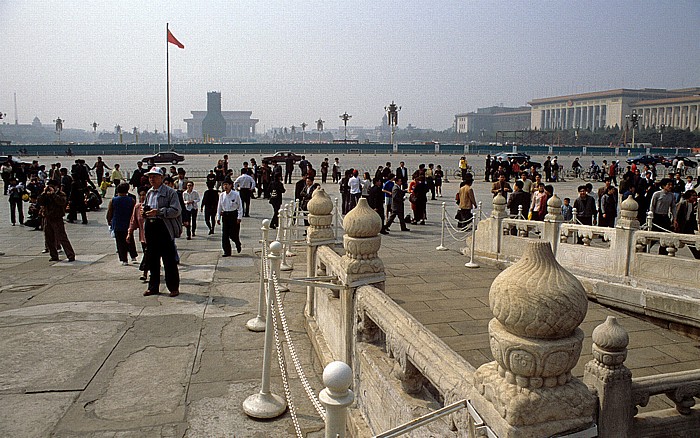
column 362, row 242
column 610, row 341
column 610, row 335
column 499, row 207
column 628, row 214
column 320, row 203
column 537, row 297
column 554, row 209
column 362, row 221
column 536, row 342
column 320, row 218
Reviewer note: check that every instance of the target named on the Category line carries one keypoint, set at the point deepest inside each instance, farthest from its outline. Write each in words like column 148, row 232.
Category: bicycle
column 592, row 175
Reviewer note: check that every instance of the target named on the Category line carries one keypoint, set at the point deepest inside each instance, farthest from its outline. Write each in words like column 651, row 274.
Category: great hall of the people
column 677, row 108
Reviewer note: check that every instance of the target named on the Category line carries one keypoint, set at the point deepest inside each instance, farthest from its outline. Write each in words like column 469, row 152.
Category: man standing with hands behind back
column 230, row 206
column 161, row 211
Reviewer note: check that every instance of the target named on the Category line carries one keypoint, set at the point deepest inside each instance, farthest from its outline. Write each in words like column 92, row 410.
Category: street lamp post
column 294, row 130
column 319, row 128
column 662, row 128
column 634, row 118
column 393, row 113
column 345, row 117
column 59, row 128
column 303, row 132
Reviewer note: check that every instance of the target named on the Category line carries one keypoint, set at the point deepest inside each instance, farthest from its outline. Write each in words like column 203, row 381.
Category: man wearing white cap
column 163, row 224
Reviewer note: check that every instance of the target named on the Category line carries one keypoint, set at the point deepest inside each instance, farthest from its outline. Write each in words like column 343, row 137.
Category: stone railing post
column 552, row 222
column 320, row 232
column 336, row 397
column 610, row 379
column 623, row 246
column 535, row 339
column 361, row 263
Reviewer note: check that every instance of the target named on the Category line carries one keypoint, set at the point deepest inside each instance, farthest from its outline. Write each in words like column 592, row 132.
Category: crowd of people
column 59, row 193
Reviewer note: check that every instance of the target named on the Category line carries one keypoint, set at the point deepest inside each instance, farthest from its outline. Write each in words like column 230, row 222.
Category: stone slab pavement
column 84, row 354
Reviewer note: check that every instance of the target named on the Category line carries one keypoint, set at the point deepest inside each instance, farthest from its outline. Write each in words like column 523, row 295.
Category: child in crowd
column 104, row 185
column 567, row 210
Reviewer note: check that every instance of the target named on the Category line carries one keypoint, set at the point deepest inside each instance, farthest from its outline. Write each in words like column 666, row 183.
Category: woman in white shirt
column 366, row 183
column 192, row 200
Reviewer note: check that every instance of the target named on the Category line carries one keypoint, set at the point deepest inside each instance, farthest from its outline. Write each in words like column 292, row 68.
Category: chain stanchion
column 265, row 404
column 442, row 246
column 336, row 220
column 257, row 324
column 295, row 214
column 472, row 263
column 285, row 238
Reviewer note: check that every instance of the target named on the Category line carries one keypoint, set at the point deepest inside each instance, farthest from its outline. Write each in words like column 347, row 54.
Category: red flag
column 173, row 40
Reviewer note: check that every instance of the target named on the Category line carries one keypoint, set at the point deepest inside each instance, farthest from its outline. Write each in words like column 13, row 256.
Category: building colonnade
column 585, row 117
column 684, row 116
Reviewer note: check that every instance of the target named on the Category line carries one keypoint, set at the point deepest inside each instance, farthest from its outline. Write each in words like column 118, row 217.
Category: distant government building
column 679, row 108
column 238, row 124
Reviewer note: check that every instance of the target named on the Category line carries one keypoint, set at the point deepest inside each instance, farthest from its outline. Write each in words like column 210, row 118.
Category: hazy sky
column 293, row 61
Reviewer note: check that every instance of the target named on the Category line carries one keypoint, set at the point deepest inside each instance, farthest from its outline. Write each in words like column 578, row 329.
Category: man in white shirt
column 355, row 185
column 245, row 185
column 227, row 211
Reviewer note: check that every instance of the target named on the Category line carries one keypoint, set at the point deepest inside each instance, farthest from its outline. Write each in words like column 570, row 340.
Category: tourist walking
column 99, row 168
column 375, row 199
column 324, row 170
column 336, row 170
column 163, row 215
column 397, row 196
column 245, row 184
column 538, row 204
column 438, row 175
column 53, row 204
column 276, row 191
column 585, row 206
column 466, row 201
column 210, row 202
column 228, row 212
column 15, row 193
column 663, row 207
column 119, row 212
column 192, row 199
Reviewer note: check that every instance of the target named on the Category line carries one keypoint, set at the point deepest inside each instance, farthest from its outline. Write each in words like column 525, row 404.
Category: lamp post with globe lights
column 392, row 111
column 634, row 119
column 319, row 128
column 303, row 131
column 662, row 128
column 345, row 117
column 59, row 128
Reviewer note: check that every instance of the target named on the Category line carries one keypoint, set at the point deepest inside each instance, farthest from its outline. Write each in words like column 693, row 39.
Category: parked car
column 689, row 162
column 164, row 157
column 646, row 159
column 3, row 159
column 281, row 157
column 520, row 157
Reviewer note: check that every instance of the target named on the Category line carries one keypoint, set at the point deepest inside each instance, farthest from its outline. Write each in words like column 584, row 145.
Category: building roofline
column 606, row 93
column 695, row 98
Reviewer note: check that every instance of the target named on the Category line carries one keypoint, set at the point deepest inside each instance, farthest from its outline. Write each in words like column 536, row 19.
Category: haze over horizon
column 292, row 62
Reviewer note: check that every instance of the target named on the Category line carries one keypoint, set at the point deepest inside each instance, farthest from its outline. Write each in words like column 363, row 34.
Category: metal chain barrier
column 293, row 353
column 280, row 355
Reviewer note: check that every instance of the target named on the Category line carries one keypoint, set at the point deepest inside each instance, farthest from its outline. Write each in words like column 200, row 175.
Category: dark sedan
column 164, row 157
column 522, row 159
column 646, row 159
column 281, row 157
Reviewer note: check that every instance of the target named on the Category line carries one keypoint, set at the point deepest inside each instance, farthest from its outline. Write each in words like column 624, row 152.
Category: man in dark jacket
column 375, row 199
column 53, row 205
column 397, row 195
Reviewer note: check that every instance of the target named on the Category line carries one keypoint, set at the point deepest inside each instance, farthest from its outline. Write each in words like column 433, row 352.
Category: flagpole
column 167, row 74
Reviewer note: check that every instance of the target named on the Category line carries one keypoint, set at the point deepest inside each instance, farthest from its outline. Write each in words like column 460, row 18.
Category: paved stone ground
column 84, row 354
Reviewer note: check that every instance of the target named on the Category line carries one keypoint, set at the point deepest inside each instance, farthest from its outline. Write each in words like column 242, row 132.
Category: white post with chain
column 475, row 221
column 442, row 246
column 257, row 324
column 285, row 237
column 265, row 404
